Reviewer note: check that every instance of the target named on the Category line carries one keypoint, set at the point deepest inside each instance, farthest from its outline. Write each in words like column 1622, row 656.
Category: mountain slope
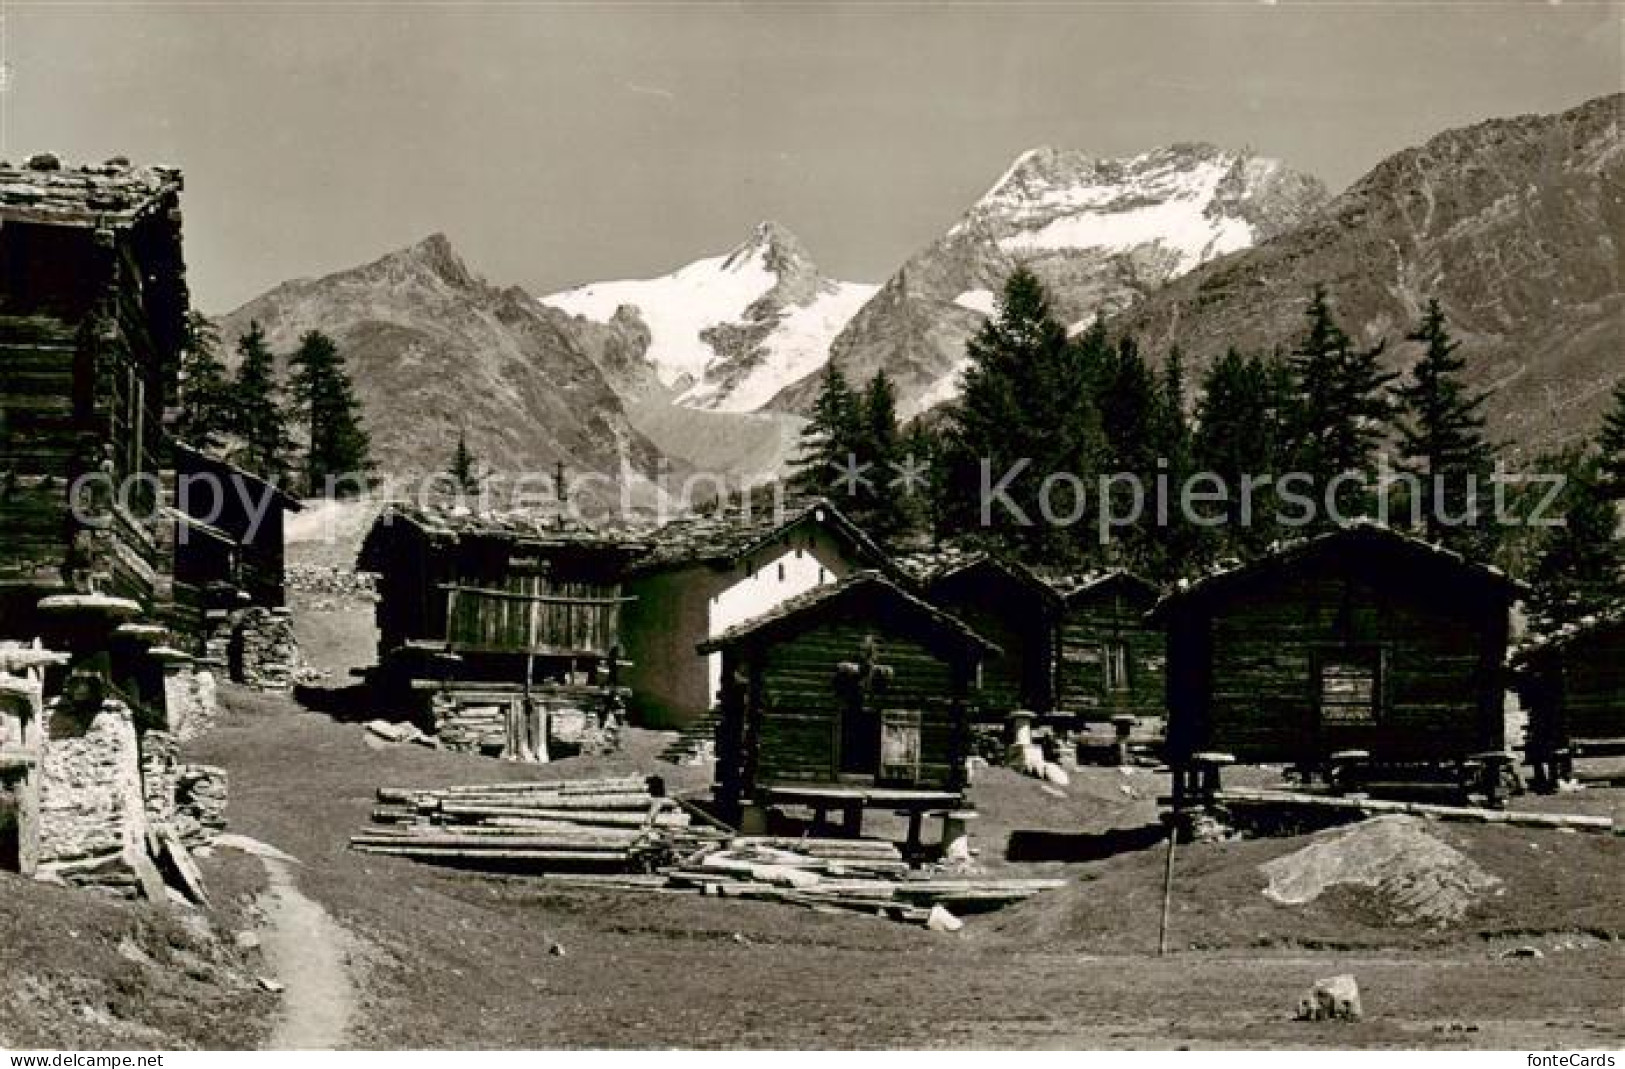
column 727, row 332
column 1514, row 224
column 434, row 350
column 1100, row 233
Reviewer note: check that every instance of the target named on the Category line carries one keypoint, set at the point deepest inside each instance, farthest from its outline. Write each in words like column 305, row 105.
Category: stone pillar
column 956, row 836
column 93, row 822
column 22, row 739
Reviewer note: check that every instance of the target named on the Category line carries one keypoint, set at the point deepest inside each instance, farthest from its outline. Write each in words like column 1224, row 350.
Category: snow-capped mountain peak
column 728, row 332
column 1099, row 233
column 1183, row 199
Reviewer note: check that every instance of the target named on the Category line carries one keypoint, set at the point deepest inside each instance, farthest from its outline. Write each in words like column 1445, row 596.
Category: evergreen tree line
column 1035, row 402
column 251, row 414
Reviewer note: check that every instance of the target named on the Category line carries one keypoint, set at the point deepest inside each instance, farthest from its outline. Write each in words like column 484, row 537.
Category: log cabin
column 226, row 539
column 705, row 574
column 488, row 621
column 1006, row 603
column 93, row 304
column 1361, row 643
column 853, row 694
column 1572, row 683
column 1110, row 662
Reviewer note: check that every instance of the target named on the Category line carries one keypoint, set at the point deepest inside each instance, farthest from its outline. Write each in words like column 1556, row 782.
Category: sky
column 560, row 143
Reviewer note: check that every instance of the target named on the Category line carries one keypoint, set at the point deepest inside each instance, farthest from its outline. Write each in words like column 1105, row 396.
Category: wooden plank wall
column 1440, row 652
column 1592, row 695
column 1013, row 618
column 488, row 621
column 797, row 708
column 1090, row 624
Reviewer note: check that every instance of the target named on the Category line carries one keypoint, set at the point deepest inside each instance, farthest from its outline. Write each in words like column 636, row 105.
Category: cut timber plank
column 599, row 856
column 174, row 851
column 1250, row 796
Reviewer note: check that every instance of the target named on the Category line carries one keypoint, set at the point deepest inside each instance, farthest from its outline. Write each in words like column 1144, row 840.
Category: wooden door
column 899, row 746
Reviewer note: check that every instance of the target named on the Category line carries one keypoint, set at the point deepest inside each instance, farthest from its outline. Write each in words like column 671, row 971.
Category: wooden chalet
column 93, row 304
column 1109, row 661
column 1361, row 646
column 1573, row 685
column 853, row 694
column 495, row 615
column 705, row 574
column 1008, row 605
column 226, row 543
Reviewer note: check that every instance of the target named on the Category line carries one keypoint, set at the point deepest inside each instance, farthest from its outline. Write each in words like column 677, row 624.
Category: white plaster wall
column 769, row 578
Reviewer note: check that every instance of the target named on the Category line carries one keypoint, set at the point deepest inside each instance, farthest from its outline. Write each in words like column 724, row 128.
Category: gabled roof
column 540, row 528
column 207, row 529
column 113, row 194
column 193, row 455
column 934, row 570
column 1352, row 538
column 1077, row 587
column 858, row 585
column 727, row 536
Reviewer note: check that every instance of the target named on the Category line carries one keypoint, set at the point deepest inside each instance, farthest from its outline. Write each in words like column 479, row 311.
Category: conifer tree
column 1611, row 443
column 339, row 447
column 1577, row 570
column 257, row 417
column 829, row 441
column 1341, row 406
column 1126, row 396
column 1240, row 435
column 463, row 469
column 207, row 401
column 884, row 509
column 1025, row 413
column 922, row 453
column 1177, row 546
column 1441, row 437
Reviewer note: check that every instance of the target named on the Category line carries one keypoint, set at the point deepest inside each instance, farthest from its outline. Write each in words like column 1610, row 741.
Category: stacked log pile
column 834, row 875
column 618, row 834
column 618, row 824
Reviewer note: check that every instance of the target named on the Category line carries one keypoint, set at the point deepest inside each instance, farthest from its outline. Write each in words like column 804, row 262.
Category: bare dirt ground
column 420, row 956
column 446, row 958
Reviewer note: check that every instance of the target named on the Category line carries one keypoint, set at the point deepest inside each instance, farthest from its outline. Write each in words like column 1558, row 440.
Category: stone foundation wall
column 580, row 721
column 190, row 700
column 189, row 798
column 264, row 652
column 93, row 821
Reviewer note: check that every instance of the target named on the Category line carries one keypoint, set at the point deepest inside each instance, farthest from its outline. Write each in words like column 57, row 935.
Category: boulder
column 1334, row 999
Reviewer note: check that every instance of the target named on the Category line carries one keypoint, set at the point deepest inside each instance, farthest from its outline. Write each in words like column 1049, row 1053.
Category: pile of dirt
column 1414, row 877
column 1386, row 883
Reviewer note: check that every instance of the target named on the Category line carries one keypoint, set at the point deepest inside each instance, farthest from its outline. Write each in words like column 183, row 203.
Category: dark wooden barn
column 484, row 611
column 1572, row 684
column 226, row 546
column 93, row 304
column 1110, row 662
column 1359, row 641
column 855, row 693
column 1004, row 602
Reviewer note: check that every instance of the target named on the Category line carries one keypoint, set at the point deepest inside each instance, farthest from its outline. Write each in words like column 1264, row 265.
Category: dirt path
column 306, row 950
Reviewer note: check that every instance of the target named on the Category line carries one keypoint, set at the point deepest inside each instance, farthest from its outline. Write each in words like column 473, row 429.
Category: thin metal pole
column 1167, row 889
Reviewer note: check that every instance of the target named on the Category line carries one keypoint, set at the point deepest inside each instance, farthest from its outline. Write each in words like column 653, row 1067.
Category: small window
column 1114, row 663
column 781, row 571
column 1349, row 687
column 823, row 576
